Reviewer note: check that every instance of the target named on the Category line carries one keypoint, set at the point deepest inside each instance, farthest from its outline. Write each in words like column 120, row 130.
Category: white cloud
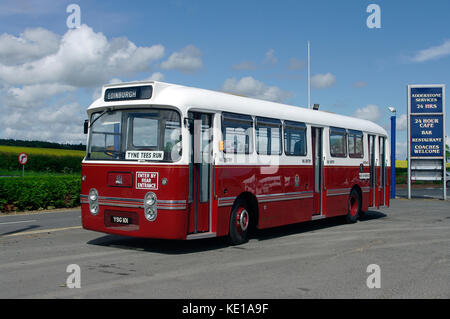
column 31, row 45
column 188, row 60
column 370, row 112
column 84, row 58
column 157, row 76
column 50, row 123
column 401, row 123
column 270, row 57
column 401, row 149
column 323, row 81
column 432, row 53
column 33, row 95
column 31, row 7
column 296, row 64
column 359, row 84
column 40, row 71
column 246, row 65
column 98, row 91
column 250, row 87
column 115, row 81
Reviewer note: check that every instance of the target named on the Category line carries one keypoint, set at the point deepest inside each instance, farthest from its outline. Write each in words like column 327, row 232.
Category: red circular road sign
column 23, row 158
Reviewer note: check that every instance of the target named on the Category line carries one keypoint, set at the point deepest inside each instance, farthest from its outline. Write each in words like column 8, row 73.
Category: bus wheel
column 239, row 222
column 354, row 206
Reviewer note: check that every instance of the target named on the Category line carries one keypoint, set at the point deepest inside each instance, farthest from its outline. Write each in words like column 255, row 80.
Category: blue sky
column 256, row 48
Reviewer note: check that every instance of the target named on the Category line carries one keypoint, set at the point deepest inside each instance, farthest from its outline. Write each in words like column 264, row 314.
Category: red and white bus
column 175, row 162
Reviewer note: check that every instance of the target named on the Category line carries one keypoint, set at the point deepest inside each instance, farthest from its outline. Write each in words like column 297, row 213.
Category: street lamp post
column 393, row 128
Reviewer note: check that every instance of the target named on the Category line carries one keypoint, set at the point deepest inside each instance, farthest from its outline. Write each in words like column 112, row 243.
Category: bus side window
column 294, row 138
column 268, row 136
column 237, row 130
column 338, row 142
column 355, row 144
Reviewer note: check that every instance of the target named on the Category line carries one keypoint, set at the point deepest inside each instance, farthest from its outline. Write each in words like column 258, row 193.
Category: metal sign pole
column 408, row 90
column 309, row 76
column 393, row 139
column 444, row 166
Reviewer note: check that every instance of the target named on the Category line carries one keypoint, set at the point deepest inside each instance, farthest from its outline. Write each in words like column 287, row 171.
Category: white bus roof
column 185, row 98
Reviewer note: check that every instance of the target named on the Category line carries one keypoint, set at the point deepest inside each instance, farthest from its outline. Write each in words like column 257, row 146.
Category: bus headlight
column 150, row 213
column 93, row 201
column 150, row 210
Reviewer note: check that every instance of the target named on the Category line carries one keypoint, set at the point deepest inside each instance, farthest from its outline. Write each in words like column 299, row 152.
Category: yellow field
column 404, row 164
column 40, row 151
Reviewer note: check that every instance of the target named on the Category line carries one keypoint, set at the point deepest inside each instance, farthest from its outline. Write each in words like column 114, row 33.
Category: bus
column 174, row 162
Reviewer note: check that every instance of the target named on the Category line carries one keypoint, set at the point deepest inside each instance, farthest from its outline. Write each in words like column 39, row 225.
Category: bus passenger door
column 373, row 170
column 200, row 129
column 317, row 154
column 382, row 157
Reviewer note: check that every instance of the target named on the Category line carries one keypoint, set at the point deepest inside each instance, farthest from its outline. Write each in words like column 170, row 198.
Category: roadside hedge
column 42, row 163
column 43, row 192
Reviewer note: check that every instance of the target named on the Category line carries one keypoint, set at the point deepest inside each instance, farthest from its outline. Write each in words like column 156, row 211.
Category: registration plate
column 121, row 220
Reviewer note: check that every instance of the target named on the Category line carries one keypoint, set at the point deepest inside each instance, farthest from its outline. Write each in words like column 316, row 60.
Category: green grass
column 40, row 151
column 39, row 192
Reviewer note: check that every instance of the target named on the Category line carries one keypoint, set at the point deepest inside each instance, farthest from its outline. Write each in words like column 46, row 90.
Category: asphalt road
column 425, row 192
column 321, row 259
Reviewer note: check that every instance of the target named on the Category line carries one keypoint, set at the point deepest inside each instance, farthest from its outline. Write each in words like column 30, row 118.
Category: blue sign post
column 426, row 134
column 393, row 146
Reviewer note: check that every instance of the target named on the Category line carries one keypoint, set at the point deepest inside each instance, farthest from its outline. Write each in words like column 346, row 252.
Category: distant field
column 40, row 151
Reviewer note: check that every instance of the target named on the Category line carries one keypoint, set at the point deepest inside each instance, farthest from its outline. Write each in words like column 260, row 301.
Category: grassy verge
column 39, row 192
column 18, row 173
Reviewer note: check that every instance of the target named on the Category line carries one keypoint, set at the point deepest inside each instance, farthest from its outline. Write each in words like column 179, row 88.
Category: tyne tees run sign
column 426, row 133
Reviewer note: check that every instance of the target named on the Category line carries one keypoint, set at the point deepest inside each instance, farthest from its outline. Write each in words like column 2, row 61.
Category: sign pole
column 309, row 76
column 444, row 160
column 23, row 159
column 408, row 91
column 393, row 139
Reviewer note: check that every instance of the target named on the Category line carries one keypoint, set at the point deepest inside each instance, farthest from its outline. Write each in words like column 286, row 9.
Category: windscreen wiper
column 101, row 114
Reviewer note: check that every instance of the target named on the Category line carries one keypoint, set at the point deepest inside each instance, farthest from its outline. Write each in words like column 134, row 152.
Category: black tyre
column 239, row 224
column 354, row 207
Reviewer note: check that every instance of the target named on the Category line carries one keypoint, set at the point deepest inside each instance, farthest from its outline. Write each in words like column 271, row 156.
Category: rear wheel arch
column 252, row 206
column 243, row 217
column 354, row 204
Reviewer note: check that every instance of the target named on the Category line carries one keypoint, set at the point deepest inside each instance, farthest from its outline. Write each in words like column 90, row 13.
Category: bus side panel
column 284, row 193
column 365, row 201
column 304, row 184
column 339, row 182
column 288, row 204
column 230, row 182
column 269, row 182
column 233, row 180
column 223, row 221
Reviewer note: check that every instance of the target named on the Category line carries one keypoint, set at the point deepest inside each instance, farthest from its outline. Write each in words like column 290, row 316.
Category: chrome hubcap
column 243, row 220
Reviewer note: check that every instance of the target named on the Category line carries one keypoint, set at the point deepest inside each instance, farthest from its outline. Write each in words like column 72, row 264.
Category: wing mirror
column 86, row 126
